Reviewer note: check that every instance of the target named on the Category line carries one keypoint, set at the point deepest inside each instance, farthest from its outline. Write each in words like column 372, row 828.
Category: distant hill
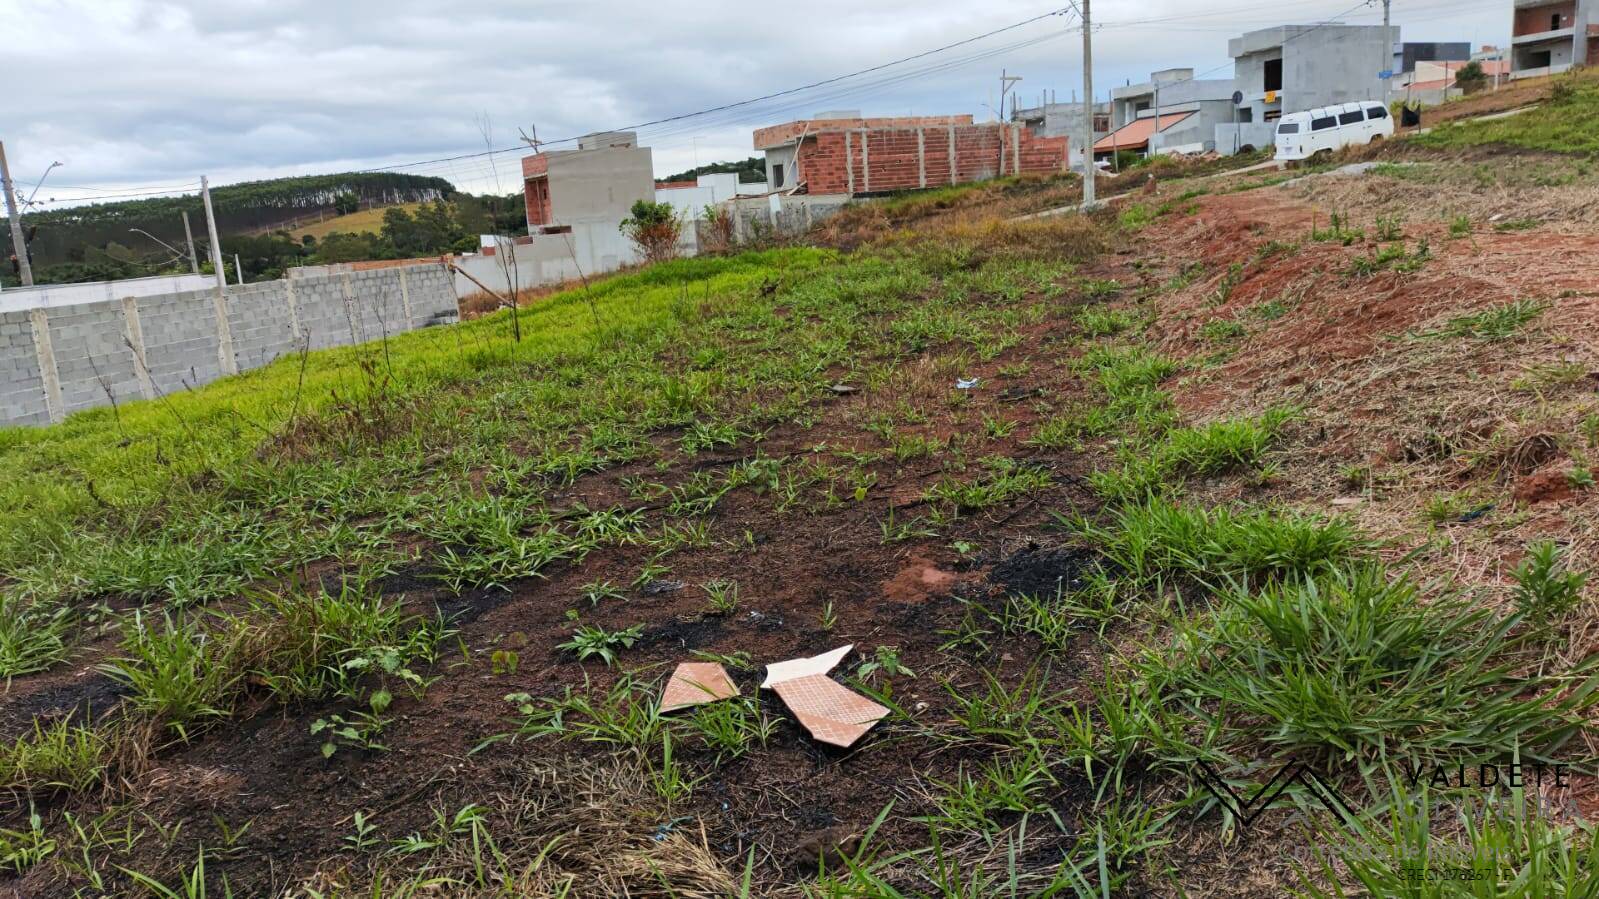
column 751, row 169
column 83, row 240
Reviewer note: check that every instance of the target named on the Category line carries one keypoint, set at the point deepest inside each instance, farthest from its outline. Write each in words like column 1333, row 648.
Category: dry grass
column 365, row 221
column 563, row 830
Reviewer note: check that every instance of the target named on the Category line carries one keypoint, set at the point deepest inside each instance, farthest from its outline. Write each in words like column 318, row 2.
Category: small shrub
column 1545, row 590
column 588, row 641
column 654, row 228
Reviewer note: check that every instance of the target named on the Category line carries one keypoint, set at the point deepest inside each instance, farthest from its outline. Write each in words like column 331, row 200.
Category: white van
column 1301, row 135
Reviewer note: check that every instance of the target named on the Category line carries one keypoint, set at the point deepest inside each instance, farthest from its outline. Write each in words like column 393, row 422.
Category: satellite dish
column 1238, row 98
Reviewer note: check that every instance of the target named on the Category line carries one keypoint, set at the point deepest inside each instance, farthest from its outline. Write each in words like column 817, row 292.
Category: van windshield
column 1288, row 128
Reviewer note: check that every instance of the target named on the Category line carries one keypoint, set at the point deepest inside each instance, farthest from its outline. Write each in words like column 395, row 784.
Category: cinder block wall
column 21, row 384
column 57, row 361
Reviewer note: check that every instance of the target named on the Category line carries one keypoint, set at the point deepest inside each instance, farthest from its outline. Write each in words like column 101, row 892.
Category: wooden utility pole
column 19, row 244
column 1088, row 110
column 188, row 235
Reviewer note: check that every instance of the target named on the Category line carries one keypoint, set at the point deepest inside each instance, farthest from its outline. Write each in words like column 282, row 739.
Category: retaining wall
column 58, row 360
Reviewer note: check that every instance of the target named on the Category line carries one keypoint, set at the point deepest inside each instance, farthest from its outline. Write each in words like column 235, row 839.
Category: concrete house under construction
column 842, row 153
column 1548, row 38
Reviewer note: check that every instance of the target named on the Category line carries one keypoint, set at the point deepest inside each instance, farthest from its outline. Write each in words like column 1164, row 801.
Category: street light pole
column 188, row 235
column 35, row 193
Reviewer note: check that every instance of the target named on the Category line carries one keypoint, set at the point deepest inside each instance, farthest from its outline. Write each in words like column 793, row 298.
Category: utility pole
column 1005, row 82
column 211, row 229
column 1387, row 36
column 1156, row 133
column 226, row 361
column 1088, row 110
column 19, row 244
column 188, row 235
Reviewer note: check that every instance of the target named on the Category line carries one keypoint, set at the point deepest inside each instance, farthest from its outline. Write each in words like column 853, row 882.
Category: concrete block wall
column 22, row 398
column 262, row 324
column 54, row 361
column 93, row 361
column 180, row 339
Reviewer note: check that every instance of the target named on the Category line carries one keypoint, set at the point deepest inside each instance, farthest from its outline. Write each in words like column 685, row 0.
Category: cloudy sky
column 134, row 96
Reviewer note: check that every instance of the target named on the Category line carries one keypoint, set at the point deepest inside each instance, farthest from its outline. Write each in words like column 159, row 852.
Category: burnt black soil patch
column 683, row 634
column 82, row 699
column 1036, row 570
column 419, row 584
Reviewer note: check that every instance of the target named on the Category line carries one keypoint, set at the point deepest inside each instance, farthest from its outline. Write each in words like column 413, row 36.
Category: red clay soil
column 1337, row 315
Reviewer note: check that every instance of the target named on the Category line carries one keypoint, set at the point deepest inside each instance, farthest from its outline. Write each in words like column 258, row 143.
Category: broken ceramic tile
column 778, row 672
column 696, row 683
column 831, row 713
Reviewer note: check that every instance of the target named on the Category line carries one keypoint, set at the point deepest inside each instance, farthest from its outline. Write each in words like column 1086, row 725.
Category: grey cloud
column 137, row 92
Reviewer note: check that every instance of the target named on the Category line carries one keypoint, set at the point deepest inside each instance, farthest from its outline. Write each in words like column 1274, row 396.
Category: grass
column 1567, row 123
column 589, row 642
column 1350, row 664
column 177, row 672
column 359, row 222
column 1497, row 323
column 1503, row 845
column 678, row 424
column 56, row 756
column 1158, row 538
column 142, row 454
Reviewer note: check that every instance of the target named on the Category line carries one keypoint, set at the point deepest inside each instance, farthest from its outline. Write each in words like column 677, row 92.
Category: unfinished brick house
column 857, row 156
column 1551, row 36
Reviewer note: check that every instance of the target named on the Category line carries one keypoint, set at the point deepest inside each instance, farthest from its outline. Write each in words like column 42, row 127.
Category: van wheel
column 1375, row 139
column 1321, row 155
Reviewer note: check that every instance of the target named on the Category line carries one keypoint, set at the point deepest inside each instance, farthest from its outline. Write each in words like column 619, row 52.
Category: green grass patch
column 1160, row 538
column 1567, row 123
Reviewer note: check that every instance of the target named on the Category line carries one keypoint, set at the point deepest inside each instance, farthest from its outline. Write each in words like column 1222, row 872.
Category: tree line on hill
column 97, row 242
column 748, row 170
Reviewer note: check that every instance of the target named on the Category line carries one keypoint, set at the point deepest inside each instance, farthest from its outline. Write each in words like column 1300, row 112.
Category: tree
column 749, row 170
column 433, row 229
column 654, row 228
column 343, row 247
column 346, row 203
column 1470, row 77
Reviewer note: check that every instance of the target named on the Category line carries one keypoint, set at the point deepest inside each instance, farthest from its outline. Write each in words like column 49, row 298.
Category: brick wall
column 1537, row 19
column 890, row 159
column 138, row 348
column 782, row 134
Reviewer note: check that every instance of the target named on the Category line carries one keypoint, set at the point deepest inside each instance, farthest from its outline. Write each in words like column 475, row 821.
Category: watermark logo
column 1246, row 810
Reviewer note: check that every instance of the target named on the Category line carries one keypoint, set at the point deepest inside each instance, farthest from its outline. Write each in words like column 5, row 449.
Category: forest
column 102, row 241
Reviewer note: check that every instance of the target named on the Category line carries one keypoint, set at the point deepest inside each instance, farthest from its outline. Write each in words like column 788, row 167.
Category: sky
column 135, row 97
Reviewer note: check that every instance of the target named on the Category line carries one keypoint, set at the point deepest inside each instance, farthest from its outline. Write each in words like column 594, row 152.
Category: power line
column 741, row 103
